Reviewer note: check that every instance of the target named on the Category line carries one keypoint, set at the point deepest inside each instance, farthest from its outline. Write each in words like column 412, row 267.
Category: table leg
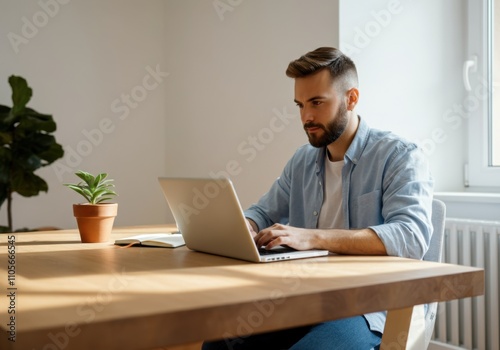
column 191, row 346
column 397, row 327
column 404, row 329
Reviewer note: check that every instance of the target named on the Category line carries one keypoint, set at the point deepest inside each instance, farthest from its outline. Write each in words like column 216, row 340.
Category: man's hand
column 252, row 227
column 278, row 234
column 359, row 242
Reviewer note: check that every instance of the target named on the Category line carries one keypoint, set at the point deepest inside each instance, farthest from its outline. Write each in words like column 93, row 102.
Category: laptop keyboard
column 281, row 250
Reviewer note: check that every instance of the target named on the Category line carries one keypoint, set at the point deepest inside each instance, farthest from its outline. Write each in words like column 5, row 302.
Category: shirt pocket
column 367, row 210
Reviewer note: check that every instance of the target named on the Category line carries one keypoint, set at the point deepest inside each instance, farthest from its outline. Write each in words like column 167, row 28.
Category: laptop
column 209, row 216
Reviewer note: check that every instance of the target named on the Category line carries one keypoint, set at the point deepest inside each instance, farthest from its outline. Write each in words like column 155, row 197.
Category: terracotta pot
column 95, row 221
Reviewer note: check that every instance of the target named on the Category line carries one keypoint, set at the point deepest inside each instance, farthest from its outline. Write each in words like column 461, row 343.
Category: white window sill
column 468, row 197
column 471, row 205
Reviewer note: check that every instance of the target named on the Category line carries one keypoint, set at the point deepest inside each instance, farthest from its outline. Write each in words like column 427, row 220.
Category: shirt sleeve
column 273, row 206
column 407, row 204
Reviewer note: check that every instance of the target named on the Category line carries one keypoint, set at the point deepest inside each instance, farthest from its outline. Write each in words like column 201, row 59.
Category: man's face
column 323, row 113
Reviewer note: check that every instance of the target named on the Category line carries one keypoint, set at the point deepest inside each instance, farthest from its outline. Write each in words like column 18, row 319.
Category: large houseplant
column 26, row 144
column 94, row 218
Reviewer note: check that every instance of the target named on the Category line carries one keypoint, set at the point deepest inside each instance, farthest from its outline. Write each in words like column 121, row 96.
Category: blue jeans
column 348, row 333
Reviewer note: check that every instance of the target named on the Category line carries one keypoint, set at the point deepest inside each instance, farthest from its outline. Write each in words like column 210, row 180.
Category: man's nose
column 306, row 115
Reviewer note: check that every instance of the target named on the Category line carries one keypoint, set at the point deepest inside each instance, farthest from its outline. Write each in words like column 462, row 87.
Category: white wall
column 228, row 86
column 215, row 109
column 81, row 59
column 409, row 56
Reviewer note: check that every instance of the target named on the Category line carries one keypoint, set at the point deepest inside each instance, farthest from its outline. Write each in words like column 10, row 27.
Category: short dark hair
column 342, row 68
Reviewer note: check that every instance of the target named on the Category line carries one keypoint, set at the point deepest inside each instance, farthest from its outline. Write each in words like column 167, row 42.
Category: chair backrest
column 434, row 253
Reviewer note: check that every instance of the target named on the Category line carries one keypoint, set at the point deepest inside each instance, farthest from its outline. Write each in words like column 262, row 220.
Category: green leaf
column 29, row 163
column 78, row 190
column 4, row 115
column 99, row 192
column 98, row 196
column 107, row 182
column 99, row 179
column 4, row 109
column 5, row 154
column 86, row 177
column 21, row 93
column 30, row 123
column 4, row 193
column 87, row 192
column 41, row 145
column 27, row 184
column 5, row 164
column 5, row 138
column 103, row 200
column 95, row 189
column 51, row 154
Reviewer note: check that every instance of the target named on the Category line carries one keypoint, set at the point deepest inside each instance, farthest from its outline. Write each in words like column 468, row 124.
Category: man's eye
column 316, row 103
column 298, row 105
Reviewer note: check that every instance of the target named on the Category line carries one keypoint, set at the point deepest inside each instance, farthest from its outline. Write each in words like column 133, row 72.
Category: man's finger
column 275, row 242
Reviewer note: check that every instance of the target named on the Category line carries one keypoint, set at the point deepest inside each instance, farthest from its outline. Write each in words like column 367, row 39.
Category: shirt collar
column 359, row 142
column 355, row 148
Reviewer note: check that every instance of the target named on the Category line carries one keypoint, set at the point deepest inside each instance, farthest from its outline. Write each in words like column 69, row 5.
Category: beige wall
column 230, row 104
column 143, row 89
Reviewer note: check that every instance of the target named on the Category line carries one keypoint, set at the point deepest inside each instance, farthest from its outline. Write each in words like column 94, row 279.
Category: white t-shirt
column 331, row 214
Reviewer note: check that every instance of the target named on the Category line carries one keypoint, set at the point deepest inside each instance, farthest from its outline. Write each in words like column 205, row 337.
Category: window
column 482, row 103
column 494, row 54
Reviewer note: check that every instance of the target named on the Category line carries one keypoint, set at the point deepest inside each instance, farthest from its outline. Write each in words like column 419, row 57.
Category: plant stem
column 9, row 210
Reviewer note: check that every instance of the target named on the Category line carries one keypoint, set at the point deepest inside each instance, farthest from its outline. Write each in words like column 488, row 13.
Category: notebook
column 209, row 216
column 165, row 240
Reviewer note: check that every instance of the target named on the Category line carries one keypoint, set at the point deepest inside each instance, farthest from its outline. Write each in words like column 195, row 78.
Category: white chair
column 422, row 322
column 435, row 253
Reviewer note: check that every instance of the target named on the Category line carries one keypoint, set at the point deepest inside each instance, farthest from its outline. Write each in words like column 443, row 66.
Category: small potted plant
column 95, row 218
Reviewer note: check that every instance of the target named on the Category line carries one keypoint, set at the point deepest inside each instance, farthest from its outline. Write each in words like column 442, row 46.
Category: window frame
column 478, row 171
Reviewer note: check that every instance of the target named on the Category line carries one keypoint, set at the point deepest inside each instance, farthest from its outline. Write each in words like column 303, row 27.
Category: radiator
column 471, row 323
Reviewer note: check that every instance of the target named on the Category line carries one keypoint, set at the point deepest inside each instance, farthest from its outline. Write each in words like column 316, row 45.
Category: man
column 353, row 190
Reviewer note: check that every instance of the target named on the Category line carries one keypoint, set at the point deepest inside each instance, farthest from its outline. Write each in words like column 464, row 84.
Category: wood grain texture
column 101, row 296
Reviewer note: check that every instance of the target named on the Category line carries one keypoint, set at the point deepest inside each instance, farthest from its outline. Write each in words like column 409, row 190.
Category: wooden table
column 99, row 296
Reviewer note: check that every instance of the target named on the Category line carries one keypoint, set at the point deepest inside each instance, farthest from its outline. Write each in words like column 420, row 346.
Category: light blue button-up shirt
column 386, row 186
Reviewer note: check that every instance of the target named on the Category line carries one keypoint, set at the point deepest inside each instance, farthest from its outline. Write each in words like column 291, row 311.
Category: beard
column 332, row 131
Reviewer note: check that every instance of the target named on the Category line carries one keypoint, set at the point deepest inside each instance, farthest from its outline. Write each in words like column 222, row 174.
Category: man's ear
column 352, row 98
